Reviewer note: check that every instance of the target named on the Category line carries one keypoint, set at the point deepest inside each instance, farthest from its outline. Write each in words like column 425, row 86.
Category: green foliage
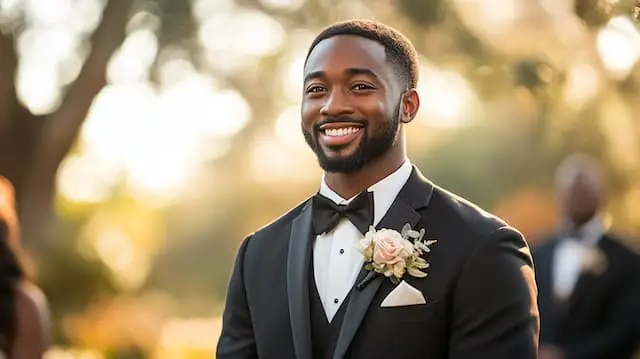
column 70, row 280
column 424, row 13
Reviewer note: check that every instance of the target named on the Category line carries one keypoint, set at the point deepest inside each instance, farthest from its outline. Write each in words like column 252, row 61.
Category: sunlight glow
column 183, row 338
column 161, row 164
column 273, row 160
column 47, row 12
column 9, row 10
column 617, row 124
column 74, row 353
column 124, row 128
column 173, row 71
column 46, row 44
column 619, row 46
column 249, row 36
column 190, row 333
column 132, row 62
column 291, row 67
column 37, row 86
column 128, row 267
column 632, row 204
column 289, row 5
column 42, row 50
column 83, row 179
column 70, row 68
column 51, row 49
column 495, row 14
column 116, row 122
column 293, row 77
column 203, row 9
column 287, row 128
column 446, row 98
column 154, row 140
column 85, row 15
column 203, row 109
column 583, row 83
column 229, row 112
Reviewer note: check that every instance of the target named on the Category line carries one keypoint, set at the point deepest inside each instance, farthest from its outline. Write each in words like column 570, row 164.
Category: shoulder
column 469, row 231
column 620, row 249
column 467, row 216
column 31, row 301
column 32, row 308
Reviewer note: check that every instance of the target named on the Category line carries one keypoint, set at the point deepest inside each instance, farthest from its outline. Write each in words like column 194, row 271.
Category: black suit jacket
column 480, row 289
column 599, row 320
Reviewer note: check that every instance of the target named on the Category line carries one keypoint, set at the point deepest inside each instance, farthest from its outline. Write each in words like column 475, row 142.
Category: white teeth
column 334, row 132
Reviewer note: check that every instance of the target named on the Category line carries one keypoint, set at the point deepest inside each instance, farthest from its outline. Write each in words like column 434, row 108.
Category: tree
column 33, row 146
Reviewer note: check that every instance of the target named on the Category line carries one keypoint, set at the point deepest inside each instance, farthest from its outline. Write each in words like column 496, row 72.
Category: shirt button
column 335, row 300
column 341, row 251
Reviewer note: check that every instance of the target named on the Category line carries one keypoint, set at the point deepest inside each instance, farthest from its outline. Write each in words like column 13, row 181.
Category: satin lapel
column 415, row 194
column 298, row 282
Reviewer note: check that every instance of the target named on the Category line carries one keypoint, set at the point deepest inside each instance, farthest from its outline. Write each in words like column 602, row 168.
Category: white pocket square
column 404, row 294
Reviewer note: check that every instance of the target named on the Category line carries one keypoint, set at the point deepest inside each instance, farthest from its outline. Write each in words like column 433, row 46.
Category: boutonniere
column 594, row 261
column 393, row 254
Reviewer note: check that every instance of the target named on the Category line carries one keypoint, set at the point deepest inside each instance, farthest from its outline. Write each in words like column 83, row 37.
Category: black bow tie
column 327, row 214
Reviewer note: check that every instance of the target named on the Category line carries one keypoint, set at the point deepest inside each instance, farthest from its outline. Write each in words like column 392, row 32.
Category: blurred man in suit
column 587, row 279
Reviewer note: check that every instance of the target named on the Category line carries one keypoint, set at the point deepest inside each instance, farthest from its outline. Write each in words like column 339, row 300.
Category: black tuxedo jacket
column 599, row 320
column 480, row 289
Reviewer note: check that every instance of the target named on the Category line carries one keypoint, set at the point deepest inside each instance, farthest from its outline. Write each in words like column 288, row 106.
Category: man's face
column 580, row 200
column 351, row 103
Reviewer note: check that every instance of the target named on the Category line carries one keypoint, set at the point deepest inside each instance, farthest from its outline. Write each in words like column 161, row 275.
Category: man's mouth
column 339, row 134
column 336, row 132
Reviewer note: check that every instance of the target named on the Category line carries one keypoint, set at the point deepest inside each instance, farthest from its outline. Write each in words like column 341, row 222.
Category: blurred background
column 146, row 138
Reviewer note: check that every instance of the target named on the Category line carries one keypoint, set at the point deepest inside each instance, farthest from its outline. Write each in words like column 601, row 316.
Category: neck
column 571, row 227
column 348, row 185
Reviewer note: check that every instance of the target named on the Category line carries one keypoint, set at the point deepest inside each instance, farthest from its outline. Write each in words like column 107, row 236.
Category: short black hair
column 399, row 50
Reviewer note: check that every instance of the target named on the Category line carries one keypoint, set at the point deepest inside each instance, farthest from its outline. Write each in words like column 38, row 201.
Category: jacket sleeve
column 237, row 340
column 494, row 308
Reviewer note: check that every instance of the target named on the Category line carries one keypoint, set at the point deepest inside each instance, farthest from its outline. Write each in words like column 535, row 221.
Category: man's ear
column 410, row 105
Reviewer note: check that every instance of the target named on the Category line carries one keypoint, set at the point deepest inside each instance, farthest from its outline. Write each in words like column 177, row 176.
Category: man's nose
column 337, row 104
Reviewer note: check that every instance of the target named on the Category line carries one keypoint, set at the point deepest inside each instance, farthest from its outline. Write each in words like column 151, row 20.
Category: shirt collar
column 591, row 232
column 384, row 191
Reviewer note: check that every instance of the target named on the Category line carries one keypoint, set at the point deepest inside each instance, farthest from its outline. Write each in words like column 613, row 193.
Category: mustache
column 341, row 119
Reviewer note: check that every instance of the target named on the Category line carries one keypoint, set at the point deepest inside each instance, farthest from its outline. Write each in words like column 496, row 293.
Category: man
column 299, row 288
column 587, row 279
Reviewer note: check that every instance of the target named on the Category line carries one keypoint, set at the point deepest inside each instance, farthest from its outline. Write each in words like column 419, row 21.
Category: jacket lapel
column 415, row 195
column 546, row 298
column 298, row 282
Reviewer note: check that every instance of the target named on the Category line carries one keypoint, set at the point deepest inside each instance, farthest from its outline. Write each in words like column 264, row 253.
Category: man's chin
column 340, row 164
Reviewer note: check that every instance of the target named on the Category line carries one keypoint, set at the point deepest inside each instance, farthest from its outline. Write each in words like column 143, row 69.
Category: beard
column 368, row 150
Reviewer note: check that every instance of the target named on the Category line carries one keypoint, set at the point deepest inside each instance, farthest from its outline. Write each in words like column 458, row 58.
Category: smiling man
column 380, row 263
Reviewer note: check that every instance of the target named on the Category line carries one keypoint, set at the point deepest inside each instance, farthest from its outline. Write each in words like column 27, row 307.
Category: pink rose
column 389, row 247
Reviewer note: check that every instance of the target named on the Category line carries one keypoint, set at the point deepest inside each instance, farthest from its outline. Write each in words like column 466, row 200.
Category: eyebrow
column 353, row 71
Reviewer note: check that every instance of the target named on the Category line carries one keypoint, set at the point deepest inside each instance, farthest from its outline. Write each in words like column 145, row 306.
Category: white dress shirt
column 336, row 261
column 568, row 257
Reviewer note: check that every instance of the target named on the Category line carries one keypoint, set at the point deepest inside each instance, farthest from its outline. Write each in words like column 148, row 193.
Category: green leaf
column 416, row 273
column 368, row 266
column 420, row 263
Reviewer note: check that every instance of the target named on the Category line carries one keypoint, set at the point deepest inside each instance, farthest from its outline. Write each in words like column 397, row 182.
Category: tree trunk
column 32, row 147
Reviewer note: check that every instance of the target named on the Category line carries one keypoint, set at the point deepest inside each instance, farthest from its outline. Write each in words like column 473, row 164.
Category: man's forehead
column 346, row 51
